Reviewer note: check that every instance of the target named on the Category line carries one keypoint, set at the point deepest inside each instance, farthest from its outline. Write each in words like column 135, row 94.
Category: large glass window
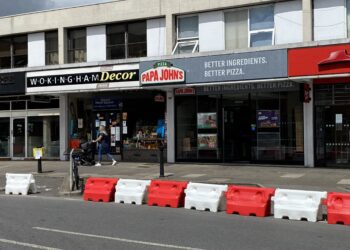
column 4, row 137
column 261, row 23
column 51, row 48
column 13, row 52
column 249, row 27
column 252, row 127
column 77, row 45
column 44, row 131
column 126, row 40
column 187, row 35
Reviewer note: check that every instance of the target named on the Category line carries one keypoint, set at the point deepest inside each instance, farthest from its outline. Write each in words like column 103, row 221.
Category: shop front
column 26, row 122
column 232, row 107
column 326, row 69
column 108, row 96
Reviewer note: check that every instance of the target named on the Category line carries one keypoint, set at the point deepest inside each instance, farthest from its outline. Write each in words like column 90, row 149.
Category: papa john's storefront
column 230, row 108
column 326, row 69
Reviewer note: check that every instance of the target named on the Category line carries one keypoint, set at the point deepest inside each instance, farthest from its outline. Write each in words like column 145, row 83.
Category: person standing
column 103, row 146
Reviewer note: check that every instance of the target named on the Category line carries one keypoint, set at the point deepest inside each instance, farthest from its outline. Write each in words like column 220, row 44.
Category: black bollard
column 161, row 160
column 40, row 170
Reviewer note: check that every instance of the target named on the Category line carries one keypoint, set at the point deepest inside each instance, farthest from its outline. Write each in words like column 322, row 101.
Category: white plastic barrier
column 20, row 184
column 131, row 191
column 298, row 204
column 205, row 196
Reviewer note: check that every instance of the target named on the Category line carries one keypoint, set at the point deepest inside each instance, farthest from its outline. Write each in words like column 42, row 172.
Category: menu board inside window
column 268, row 118
column 207, row 120
column 207, row 131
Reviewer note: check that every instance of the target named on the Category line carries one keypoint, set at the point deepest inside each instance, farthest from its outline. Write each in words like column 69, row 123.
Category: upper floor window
column 249, row 27
column 77, row 45
column 187, row 35
column 51, row 48
column 126, row 40
column 13, row 52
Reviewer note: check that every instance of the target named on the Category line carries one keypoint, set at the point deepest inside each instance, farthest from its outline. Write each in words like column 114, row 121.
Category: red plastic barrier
column 100, row 189
column 338, row 208
column 249, row 200
column 167, row 193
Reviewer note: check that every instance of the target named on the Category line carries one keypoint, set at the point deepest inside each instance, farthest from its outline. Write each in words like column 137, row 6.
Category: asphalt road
column 55, row 223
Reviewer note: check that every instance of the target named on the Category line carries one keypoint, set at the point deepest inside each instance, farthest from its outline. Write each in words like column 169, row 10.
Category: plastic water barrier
column 338, row 208
column 205, row 197
column 20, row 184
column 167, row 193
column 100, row 189
column 247, row 201
column 298, row 204
column 131, row 191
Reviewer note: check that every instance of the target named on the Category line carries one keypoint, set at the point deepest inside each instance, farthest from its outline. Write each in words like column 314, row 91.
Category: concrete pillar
column 63, row 125
column 309, row 131
column 62, row 45
column 170, row 33
column 170, row 113
column 47, row 135
column 307, row 21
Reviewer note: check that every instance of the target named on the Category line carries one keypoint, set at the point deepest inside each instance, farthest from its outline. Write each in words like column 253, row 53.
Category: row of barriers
column 241, row 200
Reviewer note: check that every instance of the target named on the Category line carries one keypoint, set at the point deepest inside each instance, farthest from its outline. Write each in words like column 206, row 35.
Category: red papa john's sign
column 163, row 73
column 322, row 60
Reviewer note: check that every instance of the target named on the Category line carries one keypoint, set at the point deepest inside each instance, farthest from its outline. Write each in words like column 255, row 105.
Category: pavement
column 53, row 180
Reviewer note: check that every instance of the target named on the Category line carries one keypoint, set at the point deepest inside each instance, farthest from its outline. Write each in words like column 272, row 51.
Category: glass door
column 18, row 137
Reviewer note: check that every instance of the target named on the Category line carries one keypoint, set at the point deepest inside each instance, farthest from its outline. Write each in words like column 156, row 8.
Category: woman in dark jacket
column 103, row 146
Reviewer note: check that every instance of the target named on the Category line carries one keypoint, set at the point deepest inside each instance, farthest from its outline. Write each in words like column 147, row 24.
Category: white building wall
column 211, row 31
column 36, row 49
column 96, row 43
column 156, row 37
column 329, row 19
column 288, row 22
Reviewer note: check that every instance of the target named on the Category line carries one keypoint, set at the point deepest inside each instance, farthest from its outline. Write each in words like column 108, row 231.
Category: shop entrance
column 237, row 138
column 18, row 137
column 333, row 135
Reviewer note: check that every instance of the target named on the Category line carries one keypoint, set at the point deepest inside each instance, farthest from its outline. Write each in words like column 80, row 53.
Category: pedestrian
column 103, row 146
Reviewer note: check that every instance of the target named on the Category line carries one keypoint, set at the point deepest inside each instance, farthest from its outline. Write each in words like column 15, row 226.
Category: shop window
column 13, row 52
column 44, row 131
column 77, row 45
column 126, row 40
column 4, row 137
column 249, row 27
column 4, row 105
column 187, row 35
column 51, row 48
column 18, row 105
column 261, row 26
column 50, row 104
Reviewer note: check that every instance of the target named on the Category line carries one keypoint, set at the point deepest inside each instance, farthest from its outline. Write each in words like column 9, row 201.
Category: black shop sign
column 12, row 83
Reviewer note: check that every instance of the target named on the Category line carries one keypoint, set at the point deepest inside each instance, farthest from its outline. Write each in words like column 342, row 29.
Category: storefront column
column 309, row 131
column 63, row 126
column 170, row 33
column 62, row 45
column 170, row 119
column 307, row 21
column 47, row 135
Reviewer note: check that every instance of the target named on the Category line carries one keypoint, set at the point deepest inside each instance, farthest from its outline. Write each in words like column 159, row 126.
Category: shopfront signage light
column 162, row 72
column 185, row 91
column 84, row 78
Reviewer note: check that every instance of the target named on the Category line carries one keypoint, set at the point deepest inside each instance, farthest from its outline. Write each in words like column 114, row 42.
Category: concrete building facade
column 213, row 79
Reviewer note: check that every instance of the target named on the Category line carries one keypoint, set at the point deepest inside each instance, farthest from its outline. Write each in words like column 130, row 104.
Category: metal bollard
column 40, row 170
column 161, row 160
